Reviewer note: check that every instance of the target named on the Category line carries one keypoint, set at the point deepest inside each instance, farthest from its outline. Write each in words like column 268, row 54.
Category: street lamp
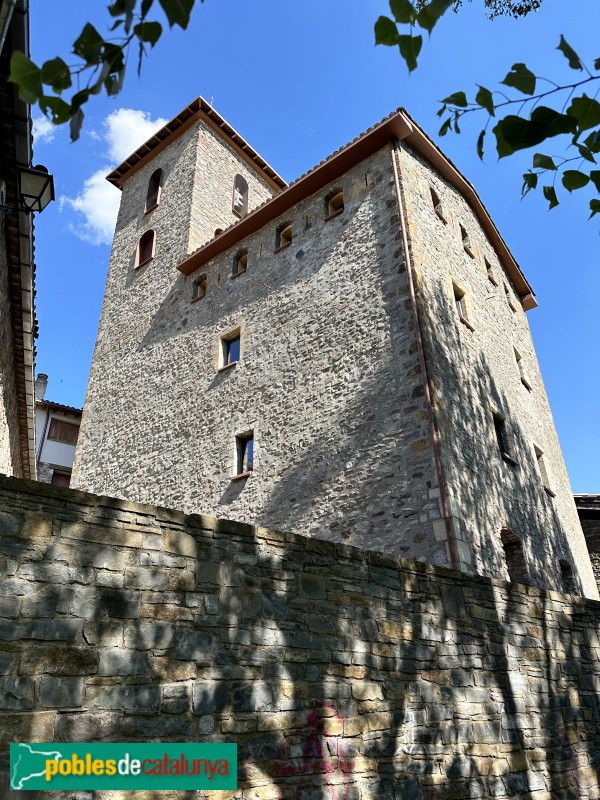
column 36, row 188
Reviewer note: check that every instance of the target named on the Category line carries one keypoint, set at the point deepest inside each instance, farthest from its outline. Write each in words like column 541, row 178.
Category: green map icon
column 28, row 761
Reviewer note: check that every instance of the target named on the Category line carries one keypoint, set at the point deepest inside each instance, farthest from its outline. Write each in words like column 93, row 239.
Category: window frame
column 197, row 293
column 224, row 354
column 281, row 231
column 240, row 256
column 138, row 253
column 542, row 469
column 239, row 179
column 466, row 241
column 461, row 305
column 56, row 422
column 437, row 205
column 330, row 197
column 501, row 437
column 157, row 195
column 243, row 467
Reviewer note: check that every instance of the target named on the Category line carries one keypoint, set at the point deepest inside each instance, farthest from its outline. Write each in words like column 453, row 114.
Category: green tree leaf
column 457, row 99
column 550, row 195
column 543, row 162
column 76, row 123
column 403, row 11
column 445, row 127
column 530, row 181
column 55, row 107
column 56, row 73
column 27, row 76
column 521, row 79
column 574, row 179
column 386, row 32
column 89, row 44
column 586, row 111
column 586, row 153
column 485, row 99
column 178, row 11
column 429, row 15
column 480, row 140
column 570, row 54
column 148, row 32
column 594, row 207
column 410, row 47
column 595, row 178
column 517, row 133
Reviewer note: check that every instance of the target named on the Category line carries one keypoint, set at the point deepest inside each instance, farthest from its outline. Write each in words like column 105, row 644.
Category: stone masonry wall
column 473, row 374
column 9, row 423
column 339, row 673
column 328, row 381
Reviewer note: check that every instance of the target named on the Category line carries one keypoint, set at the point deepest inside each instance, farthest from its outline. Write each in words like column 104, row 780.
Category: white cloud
column 98, row 201
column 127, row 129
column 43, row 130
column 123, row 131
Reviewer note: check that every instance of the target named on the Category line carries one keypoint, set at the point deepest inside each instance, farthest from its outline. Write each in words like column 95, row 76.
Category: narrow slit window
column 244, row 453
column 240, row 196
column 490, row 272
column 522, row 372
column 154, row 190
column 240, row 263
column 567, row 578
column 466, row 242
column 283, row 236
column 437, row 204
column 509, row 299
column 145, row 249
column 501, row 439
column 460, row 302
column 543, row 470
column 334, row 203
column 514, row 557
column 199, row 288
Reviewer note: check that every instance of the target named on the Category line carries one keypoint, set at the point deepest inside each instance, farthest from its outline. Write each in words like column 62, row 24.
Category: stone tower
column 346, row 357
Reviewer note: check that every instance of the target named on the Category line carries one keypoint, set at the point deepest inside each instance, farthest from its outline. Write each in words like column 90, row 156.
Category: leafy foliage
column 576, row 114
column 101, row 62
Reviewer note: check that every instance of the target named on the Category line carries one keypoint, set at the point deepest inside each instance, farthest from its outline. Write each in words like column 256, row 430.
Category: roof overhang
column 15, row 152
column 398, row 126
column 198, row 109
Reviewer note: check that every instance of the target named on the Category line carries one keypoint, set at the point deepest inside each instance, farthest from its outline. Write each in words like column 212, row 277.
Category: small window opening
column 218, row 231
column 437, row 204
column 240, row 196
column 199, row 288
column 509, row 299
column 466, row 241
column 460, row 303
column 145, row 249
column 543, row 470
column 514, row 556
column 490, row 272
column 283, row 236
column 502, row 440
column 240, row 263
column 334, row 203
column 154, row 190
column 522, row 373
column 244, row 446
column 230, row 349
column 567, row 578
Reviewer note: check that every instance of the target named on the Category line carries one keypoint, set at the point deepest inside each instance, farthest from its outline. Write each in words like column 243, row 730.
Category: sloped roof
column 197, row 109
column 398, row 125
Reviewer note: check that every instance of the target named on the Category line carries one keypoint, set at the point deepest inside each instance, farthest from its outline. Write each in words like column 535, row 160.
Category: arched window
column 240, row 263
column 283, row 236
column 567, row 579
column 199, row 288
column 334, row 203
column 514, row 556
column 154, row 190
column 145, row 249
column 240, row 196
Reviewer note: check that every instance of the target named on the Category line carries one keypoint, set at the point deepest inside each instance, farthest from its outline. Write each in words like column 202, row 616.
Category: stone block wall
column 339, row 673
column 474, row 374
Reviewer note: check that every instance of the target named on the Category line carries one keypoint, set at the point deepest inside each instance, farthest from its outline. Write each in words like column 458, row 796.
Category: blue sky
column 298, row 80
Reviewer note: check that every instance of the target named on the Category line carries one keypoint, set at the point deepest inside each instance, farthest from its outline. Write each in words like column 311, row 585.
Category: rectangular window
column 60, row 479
column 460, row 303
column 230, row 349
column 64, row 432
column 509, row 300
column 244, row 453
column 522, row 373
column 490, row 273
column 501, row 438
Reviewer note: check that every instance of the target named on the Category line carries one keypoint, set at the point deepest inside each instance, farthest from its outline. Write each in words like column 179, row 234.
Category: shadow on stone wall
column 340, row 674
